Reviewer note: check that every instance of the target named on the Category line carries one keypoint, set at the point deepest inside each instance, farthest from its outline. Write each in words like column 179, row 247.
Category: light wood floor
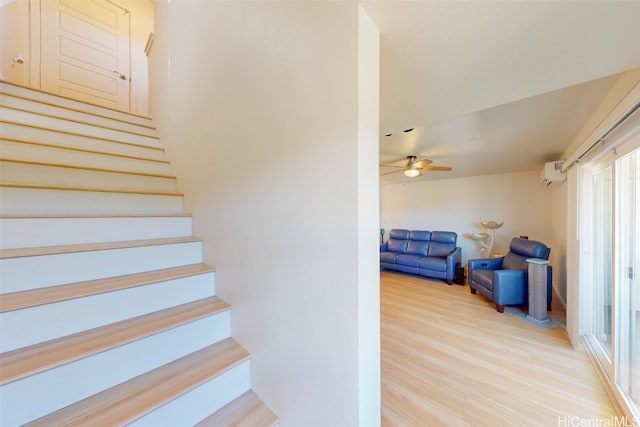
column 449, row 359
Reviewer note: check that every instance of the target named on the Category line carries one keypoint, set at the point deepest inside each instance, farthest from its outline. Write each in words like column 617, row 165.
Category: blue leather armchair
column 504, row 280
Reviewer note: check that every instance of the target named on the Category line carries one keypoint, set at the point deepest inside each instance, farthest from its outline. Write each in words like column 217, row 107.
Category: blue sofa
column 426, row 253
column 504, row 280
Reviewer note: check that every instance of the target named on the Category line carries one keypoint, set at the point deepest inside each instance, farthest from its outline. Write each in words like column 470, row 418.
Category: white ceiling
column 495, row 87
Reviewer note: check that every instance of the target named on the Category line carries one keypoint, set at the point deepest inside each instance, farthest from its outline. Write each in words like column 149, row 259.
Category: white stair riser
column 67, row 384
column 40, row 108
column 48, row 154
column 68, row 126
column 46, row 136
column 193, row 407
column 21, row 328
column 21, row 173
column 19, row 274
column 33, row 232
column 24, row 201
column 66, row 102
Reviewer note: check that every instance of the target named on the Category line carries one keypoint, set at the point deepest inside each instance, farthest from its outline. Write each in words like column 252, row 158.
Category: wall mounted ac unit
column 552, row 174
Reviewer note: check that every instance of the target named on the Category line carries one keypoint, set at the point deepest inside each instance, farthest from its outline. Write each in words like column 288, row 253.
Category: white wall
column 559, row 224
column 460, row 204
column 258, row 107
column 368, row 219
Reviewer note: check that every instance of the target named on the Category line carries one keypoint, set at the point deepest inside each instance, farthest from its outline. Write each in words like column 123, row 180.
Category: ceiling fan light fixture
column 412, row 173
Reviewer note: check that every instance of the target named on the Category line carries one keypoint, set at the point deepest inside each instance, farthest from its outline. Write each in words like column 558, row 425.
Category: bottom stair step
column 245, row 411
column 130, row 401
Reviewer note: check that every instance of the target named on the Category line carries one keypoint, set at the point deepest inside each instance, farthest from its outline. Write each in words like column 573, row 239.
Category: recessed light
column 407, row 130
column 388, row 134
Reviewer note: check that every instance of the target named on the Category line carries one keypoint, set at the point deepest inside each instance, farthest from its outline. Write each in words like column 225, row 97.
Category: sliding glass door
column 599, row 273
column 610, row 264
column 628, row 267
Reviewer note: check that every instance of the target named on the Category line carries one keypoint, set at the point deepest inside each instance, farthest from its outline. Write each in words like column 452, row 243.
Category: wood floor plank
column 245, row 411
column 449, row 359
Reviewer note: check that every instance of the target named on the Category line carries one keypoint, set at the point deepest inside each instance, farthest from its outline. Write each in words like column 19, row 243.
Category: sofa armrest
column 509, row 286
column 383, row 247
column 453, row 259
column 485, row 264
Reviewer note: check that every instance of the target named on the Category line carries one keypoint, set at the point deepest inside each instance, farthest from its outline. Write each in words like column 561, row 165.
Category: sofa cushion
column 423, row 236
column 444, row 237
column 512, row 261
column 417, row 247
column 398, row 241
column 398, row 233
column 483, row 278
column 407, row 260
column 433, row 263
column 418, row 242
column 441, row 249
column 398, row 246
column 442, row 243
column 388, row 257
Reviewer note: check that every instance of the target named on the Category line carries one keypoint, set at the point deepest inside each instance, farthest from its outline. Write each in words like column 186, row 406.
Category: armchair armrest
column 485, row 264
column 509, row 287
column 384, row 246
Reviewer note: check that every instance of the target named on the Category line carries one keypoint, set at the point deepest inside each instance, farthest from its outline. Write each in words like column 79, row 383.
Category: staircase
column 108, row 315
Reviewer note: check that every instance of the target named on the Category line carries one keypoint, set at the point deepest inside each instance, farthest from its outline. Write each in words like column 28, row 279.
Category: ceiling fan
column 413, row 167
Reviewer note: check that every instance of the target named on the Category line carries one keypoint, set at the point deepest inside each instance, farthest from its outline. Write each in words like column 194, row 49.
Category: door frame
column 141, row 26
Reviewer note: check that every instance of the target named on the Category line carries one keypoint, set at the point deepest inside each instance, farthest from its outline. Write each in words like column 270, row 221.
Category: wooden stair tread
column 84, row 150
column 88, row 215
column 140, row 395
column 27, row 88
column 84, row 135
column 82, row 122
column 245, row 411
column 87, row 168
column 86, row 247
column 96, row 190
column 31, row 298
column 23, row 362
column 78, row 110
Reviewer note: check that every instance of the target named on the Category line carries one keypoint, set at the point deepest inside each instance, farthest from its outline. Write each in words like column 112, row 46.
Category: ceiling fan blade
column 436, row 168
column 392, row 166
column 387, row 173
column 422, row 163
